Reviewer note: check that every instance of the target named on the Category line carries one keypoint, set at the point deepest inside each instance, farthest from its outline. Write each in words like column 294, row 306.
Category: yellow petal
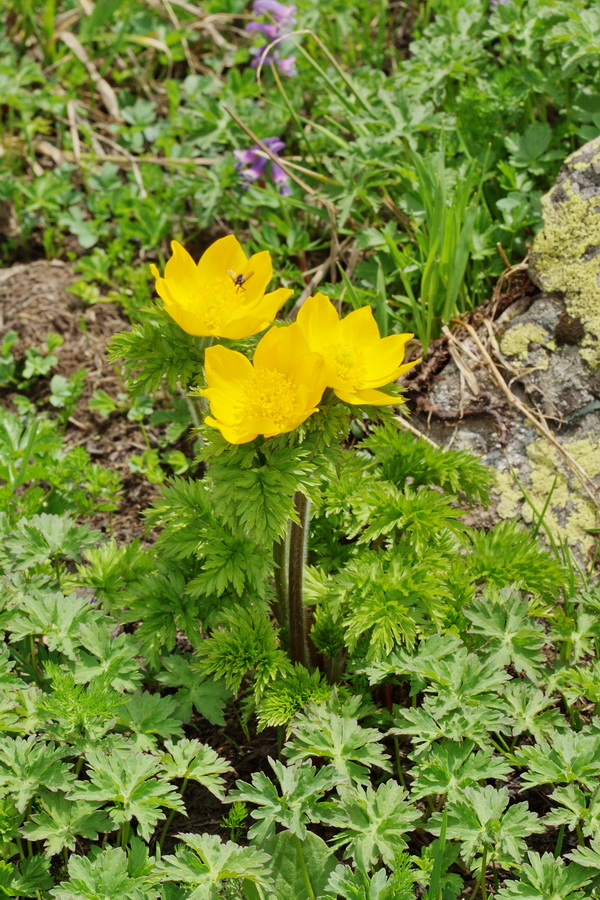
column 191, row 322
column 259, row 318
column 291, row 425
column 241, row 327
column 162, row 289
column 224, row 254
column 181, row 275
column 261, row 267
column 226, row 405
column 232, row 434
column 383, row 359
column 368, row 397
column 319, row 321
column 224, row 367
column 359, row 328
column 271, row 303
column 274, row 350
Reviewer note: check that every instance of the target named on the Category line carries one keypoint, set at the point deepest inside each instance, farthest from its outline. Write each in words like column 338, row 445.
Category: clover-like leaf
column 481, row 821
column 294, row 805
column 352, row 749
column 130, row 782
column 372, row 823
column 209, row 862
column 449, row 766
column 546, row 878
column 26, row 765
column 60, row 821
column 193, row 761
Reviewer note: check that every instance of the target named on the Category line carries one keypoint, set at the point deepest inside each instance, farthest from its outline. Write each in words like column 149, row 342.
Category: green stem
column 56, row 567
column 559, row 840
column 34, row 657
column 298, row 547
column 303, row 869
column 167, row 825
column 481, row 883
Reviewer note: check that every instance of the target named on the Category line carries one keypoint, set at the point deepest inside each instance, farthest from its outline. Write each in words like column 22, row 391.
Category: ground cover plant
column 309, row 678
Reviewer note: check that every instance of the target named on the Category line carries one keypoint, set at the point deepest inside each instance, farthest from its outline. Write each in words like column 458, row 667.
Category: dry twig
column 588, row 484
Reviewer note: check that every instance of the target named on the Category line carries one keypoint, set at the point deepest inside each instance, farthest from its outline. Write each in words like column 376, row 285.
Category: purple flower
column 283, row 15
column 284, row 18
column 270, row 31
column 252, row 164
column 287, row 65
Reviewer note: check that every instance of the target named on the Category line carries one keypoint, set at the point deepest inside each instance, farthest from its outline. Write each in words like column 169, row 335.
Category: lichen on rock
column 566, row 253
column 516, row 340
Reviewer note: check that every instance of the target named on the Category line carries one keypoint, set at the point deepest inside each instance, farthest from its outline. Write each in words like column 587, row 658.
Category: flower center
column 216, row 299
column 274, row 397
column 347, row 363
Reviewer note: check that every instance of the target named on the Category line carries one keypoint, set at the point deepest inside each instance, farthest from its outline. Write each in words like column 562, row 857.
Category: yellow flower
column 272, row 395
column 222, row 296
column 357, row 359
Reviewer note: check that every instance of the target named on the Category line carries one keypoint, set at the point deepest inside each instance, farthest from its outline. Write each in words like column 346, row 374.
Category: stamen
column 274, row 397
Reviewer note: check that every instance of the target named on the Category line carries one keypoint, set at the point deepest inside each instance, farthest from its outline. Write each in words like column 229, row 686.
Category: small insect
column 239, row 280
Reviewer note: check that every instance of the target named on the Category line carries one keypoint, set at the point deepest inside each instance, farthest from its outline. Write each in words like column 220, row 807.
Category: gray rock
column 548, row 350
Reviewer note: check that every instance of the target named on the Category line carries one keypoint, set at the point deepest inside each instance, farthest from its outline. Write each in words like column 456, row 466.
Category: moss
column 564, row 259
column 516, row 341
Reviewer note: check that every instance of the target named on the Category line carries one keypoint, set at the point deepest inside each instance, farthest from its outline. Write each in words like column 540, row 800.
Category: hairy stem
column 197, row 407
column 280, row 558
column 298, row 547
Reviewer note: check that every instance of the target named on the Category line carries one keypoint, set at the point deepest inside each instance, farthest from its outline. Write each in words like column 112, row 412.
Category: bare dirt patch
column 34, row 301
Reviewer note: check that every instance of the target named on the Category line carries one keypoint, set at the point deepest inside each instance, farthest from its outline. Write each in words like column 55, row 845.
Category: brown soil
column 34, row 301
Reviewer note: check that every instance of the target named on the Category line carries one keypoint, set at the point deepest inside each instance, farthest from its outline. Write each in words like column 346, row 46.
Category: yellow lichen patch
column 569, row 512
column 516, row 341
column 511, row 498
column 565, row 259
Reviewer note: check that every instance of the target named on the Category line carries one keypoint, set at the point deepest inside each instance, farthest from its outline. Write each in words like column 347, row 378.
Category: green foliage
column 465, row 662
column 253, row 489
column 289, row 693
column 209, row 862
column 154, row 350
column 351, row 749
column 38, row 476
column 246, row 643
column 129, row 782
column 449, row 767
column 27, row 764
column 60, row 822
column 372, row 823
column 507, row 555
column 544, row 876
column 294, row 805
column 482, row 821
